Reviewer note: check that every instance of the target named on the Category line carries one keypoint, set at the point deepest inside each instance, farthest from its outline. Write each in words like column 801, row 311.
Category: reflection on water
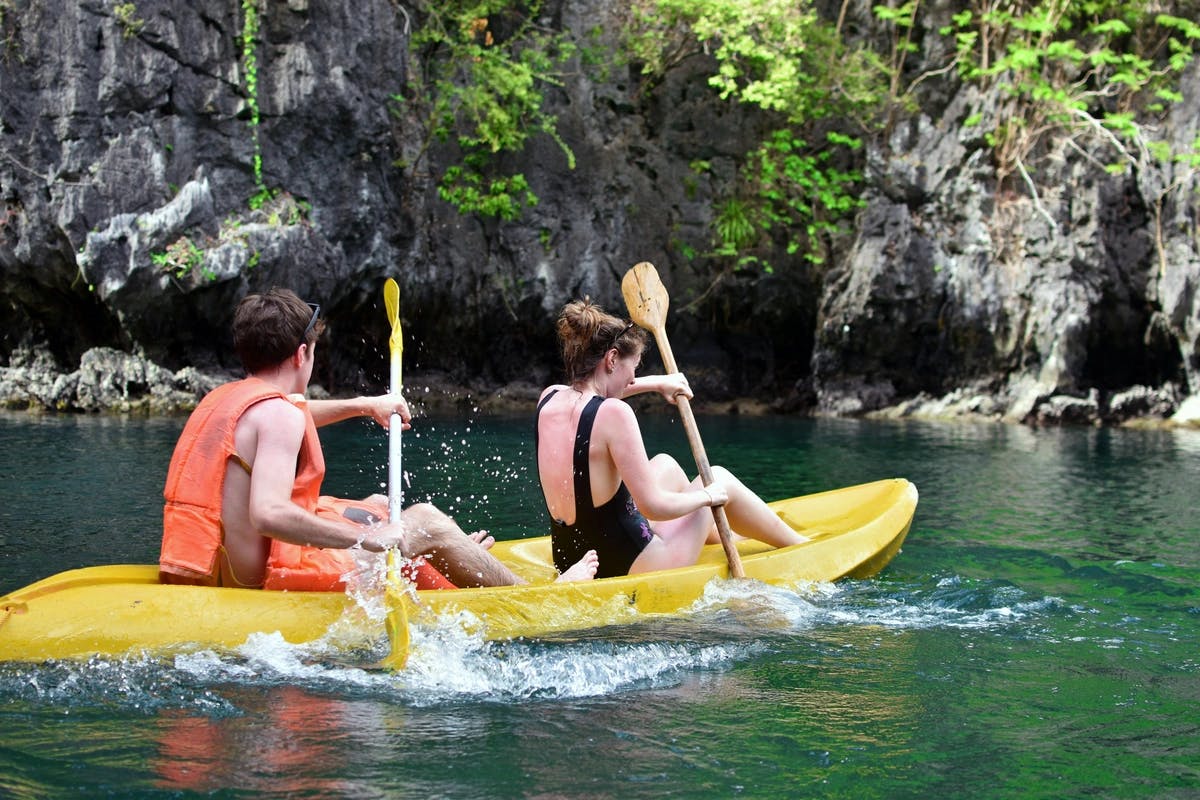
column 287, row 742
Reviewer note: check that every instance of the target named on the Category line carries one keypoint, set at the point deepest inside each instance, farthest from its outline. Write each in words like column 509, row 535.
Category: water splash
column 951, row 602
column 138, row 684
column 447, row 663
column 732, row 622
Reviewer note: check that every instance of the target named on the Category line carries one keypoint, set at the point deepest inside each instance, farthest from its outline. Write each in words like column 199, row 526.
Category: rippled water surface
column 1039, row 635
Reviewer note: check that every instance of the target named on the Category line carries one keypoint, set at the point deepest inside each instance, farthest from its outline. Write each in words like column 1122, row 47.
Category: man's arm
column 273, row 436
column 326, row 412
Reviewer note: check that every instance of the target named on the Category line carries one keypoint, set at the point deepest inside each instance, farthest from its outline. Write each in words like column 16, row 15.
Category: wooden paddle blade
column 645, row 296
column 647, row 300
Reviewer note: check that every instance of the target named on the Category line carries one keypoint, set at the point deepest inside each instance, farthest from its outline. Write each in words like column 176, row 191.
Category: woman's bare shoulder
column 615, row 411
column 558, row 387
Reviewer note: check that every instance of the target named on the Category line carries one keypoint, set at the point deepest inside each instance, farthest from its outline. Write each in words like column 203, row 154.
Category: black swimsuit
column 617, row 531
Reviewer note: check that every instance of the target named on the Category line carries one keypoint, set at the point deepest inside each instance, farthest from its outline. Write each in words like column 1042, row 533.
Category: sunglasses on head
column 617, row 338
column 316, row 309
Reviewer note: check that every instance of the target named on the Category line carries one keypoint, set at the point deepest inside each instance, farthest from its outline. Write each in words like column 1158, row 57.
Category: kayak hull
column 121, row 609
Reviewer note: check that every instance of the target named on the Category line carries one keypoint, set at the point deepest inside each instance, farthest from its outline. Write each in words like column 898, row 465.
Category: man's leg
column 430, row 533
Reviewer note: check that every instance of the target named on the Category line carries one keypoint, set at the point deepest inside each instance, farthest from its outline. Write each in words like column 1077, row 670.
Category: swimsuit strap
column 537, row 416
column 583, row 439
column 583, row 468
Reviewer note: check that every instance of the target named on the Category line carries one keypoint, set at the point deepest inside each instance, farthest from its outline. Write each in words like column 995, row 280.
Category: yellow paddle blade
column 397, row 617
column 645, row 296
column 391, row 300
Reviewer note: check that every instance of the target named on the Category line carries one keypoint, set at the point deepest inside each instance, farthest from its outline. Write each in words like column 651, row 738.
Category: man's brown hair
column 267, row 328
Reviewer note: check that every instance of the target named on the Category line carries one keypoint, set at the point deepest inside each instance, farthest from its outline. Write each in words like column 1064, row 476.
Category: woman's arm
column 669, row 386
column 617, row 427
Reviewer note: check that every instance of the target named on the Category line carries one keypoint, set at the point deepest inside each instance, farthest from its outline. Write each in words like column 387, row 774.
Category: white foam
column 449, row 660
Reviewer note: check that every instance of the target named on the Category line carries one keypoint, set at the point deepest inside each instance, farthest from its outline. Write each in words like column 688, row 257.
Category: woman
column 598, row 482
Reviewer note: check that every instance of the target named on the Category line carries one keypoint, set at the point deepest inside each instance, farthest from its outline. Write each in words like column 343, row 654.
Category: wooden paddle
column 646, row 298
column 397, row 618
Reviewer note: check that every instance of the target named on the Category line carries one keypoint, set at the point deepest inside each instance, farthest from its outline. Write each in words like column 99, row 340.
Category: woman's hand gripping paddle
column 646, row 298
column 397, row 618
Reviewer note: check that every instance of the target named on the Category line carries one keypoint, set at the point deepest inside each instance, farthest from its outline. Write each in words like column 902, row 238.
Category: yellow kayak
column 122, row 609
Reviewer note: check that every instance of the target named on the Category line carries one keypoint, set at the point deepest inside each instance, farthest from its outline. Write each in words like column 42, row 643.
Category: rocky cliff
column 134, row 217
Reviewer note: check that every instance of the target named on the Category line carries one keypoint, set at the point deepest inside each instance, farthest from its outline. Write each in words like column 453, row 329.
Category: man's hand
column 385, row 537
column 383, row 406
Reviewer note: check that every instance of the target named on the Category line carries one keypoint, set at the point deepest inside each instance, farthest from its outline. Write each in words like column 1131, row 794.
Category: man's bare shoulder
column 272, row 414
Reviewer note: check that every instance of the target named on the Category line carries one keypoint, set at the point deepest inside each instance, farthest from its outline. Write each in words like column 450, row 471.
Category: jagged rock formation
column 127, row 164
column 107, row 380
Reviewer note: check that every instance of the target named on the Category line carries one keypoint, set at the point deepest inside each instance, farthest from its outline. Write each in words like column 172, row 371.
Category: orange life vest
column 192, row 530
column 314, row 569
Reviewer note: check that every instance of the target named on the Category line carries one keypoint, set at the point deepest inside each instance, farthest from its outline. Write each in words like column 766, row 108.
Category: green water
column 1039, row 636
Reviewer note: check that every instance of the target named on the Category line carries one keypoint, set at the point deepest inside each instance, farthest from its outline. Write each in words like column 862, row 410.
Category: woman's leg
column 677, row 542
column 669, row 474
column 750, row 516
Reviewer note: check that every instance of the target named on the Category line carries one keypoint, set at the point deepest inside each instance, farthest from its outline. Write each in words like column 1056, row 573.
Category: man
column 243, row 505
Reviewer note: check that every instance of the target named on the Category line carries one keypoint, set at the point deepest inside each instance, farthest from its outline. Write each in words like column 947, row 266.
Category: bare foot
column 582, row 570
column 482, row 538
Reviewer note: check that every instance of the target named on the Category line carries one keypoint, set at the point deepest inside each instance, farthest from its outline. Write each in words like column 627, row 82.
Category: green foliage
column 9, row 30
column 595, row 54
column 185, row 258
column 780, row 57
column 903, row 20
column 249, row 43
column 735, row 229
column 180, row 259
column 777, row 55
column 262, row 194
column 803, row 192
column 1091, row 72
column 126, row 14
column 280, row 209
column 471, row 192
column 1096, row 72
column 485, row 65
